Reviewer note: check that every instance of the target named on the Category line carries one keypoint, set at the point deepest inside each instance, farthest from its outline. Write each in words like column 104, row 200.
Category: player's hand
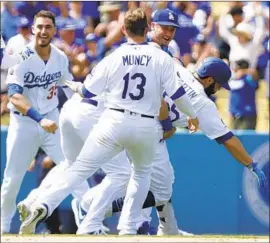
column 75, row 86
column 193, row 125
column 32, row 165
column 168, row 134
column 48, row 125
column 258, row 174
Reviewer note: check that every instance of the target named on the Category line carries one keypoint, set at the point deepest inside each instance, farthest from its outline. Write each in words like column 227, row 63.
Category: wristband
column 34, row 114
column 251, row 166
column 166, row 124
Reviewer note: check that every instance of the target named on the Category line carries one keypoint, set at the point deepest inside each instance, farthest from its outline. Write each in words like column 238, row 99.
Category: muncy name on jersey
column 31, row 80
column 142, row 60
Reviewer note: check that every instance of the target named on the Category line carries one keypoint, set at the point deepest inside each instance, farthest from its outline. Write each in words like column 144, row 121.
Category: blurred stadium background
column 82, row 27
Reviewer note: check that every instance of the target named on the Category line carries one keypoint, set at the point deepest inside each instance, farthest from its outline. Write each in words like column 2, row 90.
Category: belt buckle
column 132, row 113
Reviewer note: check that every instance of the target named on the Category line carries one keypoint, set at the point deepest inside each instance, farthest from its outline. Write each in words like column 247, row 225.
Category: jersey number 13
column 140, row 86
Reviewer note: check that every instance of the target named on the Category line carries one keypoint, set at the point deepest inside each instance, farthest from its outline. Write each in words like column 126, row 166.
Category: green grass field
column 114, row 238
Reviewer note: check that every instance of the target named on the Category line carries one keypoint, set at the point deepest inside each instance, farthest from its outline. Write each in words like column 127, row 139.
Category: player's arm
column 177, row 93
column 16, row 97
column 213, row 127
column 8, row 60
column 96, row 81
column 165, row 121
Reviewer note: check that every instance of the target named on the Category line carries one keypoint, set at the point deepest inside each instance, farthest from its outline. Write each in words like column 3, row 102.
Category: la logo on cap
column 171, row 17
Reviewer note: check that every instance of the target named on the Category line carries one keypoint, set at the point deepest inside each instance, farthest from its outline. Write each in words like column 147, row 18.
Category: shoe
column 105, row 228
column 144, row 229
column 96, row 232
column 36, row 216
column 184, row 233
column 79, row 213
column 24, row 211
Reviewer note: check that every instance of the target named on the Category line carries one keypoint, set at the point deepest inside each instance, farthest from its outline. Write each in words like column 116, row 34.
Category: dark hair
column 136, row 22
column 45, row 14
column 236, row 11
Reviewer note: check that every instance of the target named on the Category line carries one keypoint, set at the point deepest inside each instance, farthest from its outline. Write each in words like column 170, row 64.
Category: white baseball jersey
column 16, row 43
column 137, row 87
column 210, row 122
column 39, row 79
column 94, row 107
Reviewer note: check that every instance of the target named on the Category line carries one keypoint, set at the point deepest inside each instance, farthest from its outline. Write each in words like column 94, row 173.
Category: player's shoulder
column 58, row 52
column 27, row 53
column 210, row 108
column 157, row 49
column 13, row 40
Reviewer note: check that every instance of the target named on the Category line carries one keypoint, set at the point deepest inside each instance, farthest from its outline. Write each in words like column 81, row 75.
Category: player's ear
column 152, row 26
column 124, row 31
column 33, row 29
column 208, row 81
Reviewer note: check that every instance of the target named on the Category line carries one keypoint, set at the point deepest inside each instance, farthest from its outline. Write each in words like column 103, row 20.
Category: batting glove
column 259, row 174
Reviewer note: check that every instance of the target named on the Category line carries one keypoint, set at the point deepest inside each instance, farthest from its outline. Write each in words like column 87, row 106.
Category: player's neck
column 137, row 39
column 43, row 52
column 198, row 78
column 154, row 39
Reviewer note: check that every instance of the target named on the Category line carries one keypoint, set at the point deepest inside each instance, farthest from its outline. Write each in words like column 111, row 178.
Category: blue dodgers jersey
column 242, row 97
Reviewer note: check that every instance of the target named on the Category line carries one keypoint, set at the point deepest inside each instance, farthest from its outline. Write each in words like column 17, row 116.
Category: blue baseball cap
column 92, row 37
column 24, row 22
column 166, row 17
column 217, row 69
column 67, row 26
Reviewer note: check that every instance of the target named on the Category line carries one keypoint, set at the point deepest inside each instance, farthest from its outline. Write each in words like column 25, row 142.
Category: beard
column 210, row 90
column 43, row 44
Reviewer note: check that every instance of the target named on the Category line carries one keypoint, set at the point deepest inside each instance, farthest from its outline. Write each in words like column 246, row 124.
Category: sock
column 117, row 205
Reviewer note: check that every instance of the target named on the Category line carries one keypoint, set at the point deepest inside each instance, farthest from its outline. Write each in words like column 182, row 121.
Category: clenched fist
column 48, row 125
column 193, row 125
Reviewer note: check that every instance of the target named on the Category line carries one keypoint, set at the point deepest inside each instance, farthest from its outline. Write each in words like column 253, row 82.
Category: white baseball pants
column 24, row 138
column 114, row 132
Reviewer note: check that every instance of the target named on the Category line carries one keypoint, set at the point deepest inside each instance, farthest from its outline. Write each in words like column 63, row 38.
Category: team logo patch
column 171, row 17
column 258, row 199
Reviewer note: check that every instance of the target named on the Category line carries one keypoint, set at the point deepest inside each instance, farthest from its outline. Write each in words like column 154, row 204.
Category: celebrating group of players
column 117, row 120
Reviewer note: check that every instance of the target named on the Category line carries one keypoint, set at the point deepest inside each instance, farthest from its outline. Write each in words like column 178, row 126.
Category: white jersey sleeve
column 66, row 74
column 16, row 75
column 170, row 85
column 96, row 81
column 211, row 123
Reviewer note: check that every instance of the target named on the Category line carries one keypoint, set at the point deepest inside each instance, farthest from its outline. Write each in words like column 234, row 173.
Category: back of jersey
column 136, row 76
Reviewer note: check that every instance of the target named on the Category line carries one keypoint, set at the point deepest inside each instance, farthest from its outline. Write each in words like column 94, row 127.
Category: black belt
column 131, row 113
column 19, row 113
column 89, row 101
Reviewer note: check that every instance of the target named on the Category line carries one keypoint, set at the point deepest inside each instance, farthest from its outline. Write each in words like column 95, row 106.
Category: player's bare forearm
column 237, row 150
column 164, row 111
column 20, row 102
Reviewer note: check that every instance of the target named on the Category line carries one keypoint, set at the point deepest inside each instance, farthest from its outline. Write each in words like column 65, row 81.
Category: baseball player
column 133, row 77
column 33, row 110
column 162, row 176
column 170, row 225
column 77, row 118
column 210, row 76
column 8, row 60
